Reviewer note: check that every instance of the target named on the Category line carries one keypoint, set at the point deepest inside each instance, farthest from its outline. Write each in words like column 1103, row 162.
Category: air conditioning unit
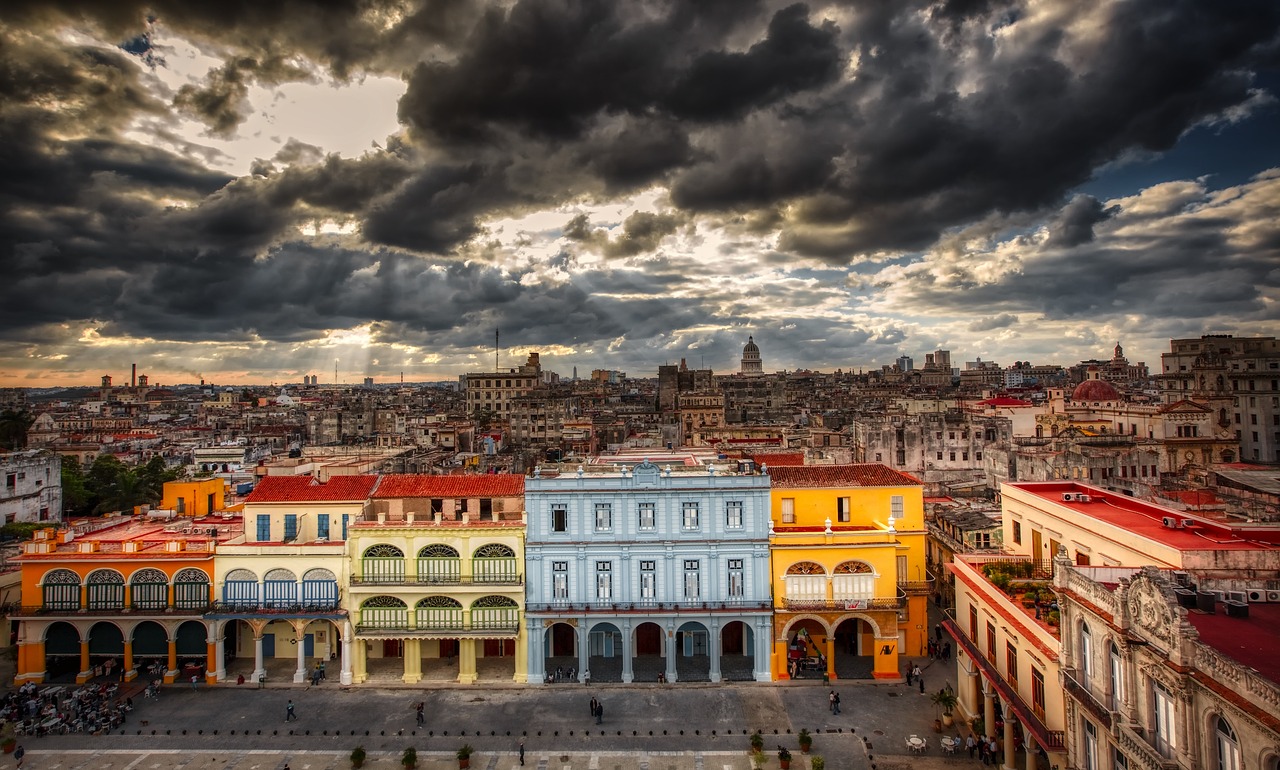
column 1273, row 596
column 1182, row 578
column 1169, row 521
column 1257, row 596
column 1188, row 522
column 1237, row 596
column 1067, row 497
column 322, row 539
column 1083, row 498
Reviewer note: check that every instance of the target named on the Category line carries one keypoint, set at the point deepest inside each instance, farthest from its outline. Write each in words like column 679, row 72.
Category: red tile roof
column 777, row 459
column 422, row 485
column 306, row 489
column 1004, row 401
column 823, row 476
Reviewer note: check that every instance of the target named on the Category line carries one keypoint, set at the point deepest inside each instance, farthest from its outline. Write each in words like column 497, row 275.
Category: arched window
column 854, row 581
column 382, row 563
column 61, row 590
column 105, row 590
column 1084, row 656
column 495, row 613
column 191, row 588
column 1115, row 672
column 439, row 613
column 149, row 589
column 806, row 582
column 240, row 589
column 495, row 563
column 280, row 588
column 320, row 589
column 383, row 612
column 1228, row 746
column 439, row 563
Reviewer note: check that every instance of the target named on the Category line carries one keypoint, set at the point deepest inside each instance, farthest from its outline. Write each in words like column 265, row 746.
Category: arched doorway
column 650, row 652
column 150, row 649
column 495, row 658
column 806, row 649
column 604, row 653
column 61, row 652
column 693, row 647
column 192, row 647
column 439, row 615
column 737, row 652
column 106, row 649
column 562, row 650
column 386, row 615
column 855, row 649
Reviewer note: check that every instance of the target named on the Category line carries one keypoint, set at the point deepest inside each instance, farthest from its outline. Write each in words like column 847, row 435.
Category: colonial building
column 849, row 581
column 494, row 393
column 1157, row 677
column 437, row 580
column 32, row 488
column 645, row 573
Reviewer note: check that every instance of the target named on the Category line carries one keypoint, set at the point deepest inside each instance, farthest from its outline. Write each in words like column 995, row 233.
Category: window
column 735, row 578
column 788, row 510
column 1011, row 665
column 991, row 641
column 895, row 506
column 290, row 527
column 1090, row 745
column 939, row 455
column 604, row 516
column 733, row 514
column 1118, row 760
column 952, row 457
column 560, row 579
column 1228, row 746
column 345, row 520
column 559, row 518
column 973, row 623
column 690, row 519
column 604, row 580
column 648, row 580
column 1085, row 656
column 691, row 579
column 964, row 455
column 264, row 527
column 1017, row 532
column 842, row 509
column 1166, row 737
column 322, row 525
column 1037, row 692
column 646, row 517
column 1115, row 692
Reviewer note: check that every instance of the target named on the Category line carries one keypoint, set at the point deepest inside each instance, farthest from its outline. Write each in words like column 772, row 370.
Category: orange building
column 120, row 597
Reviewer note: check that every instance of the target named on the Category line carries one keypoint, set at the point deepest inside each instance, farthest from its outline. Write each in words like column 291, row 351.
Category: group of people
column 92, row 708
column 317, row 674
column 597, row 710
column 983, row 748
column 562, row 674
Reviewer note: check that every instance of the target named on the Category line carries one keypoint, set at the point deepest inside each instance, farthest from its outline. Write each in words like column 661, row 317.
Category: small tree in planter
column 357, row 756
column 946, row 700
column 805, row 740
column 464, row 755
column 757, row 742
column 784, row 758
column 409, row 758
column 758, row 759
column 817, row 763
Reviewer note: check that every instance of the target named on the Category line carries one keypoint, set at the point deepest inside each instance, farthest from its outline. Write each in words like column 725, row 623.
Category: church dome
column 1095, row 389
column 750, row 347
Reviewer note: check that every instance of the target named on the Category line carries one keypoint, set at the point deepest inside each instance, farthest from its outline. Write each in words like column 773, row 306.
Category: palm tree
column 13, row 428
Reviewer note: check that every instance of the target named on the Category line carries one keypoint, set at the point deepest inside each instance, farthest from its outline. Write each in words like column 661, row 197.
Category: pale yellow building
column 847, row 545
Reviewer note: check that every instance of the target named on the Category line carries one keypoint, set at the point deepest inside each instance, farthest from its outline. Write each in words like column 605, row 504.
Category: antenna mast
column 495, row 352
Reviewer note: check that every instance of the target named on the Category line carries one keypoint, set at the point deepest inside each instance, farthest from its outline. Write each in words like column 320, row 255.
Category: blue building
column 647, row 574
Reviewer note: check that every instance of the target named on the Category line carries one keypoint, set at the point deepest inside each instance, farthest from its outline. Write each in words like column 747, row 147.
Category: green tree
column 13, row 428
column 76, row 499
column 117, row 487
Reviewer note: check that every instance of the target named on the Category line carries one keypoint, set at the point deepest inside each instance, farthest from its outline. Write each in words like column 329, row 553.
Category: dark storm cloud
column 1001, row 321
column 1074, row 223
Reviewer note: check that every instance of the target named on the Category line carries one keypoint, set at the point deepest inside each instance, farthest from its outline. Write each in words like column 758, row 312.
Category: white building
column 32, row 488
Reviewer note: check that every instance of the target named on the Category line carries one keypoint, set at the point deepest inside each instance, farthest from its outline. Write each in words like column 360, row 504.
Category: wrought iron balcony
column 571, row 608
column 843, row 605
column 438, row 580
column 262, row 608
column 46, row 610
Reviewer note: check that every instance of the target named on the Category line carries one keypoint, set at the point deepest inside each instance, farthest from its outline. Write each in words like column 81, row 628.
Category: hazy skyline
column 250, row 191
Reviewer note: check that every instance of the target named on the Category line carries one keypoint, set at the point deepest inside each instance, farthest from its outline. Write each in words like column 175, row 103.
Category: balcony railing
column 45, row 610
column 568, row 607
column 844, row 605
column 1080, row 691
column 444, row 628
column 516, row 579
column 260, row 608
column 918, row 587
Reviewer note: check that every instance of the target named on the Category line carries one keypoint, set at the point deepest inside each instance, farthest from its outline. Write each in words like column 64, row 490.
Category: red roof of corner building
column 423, row 485
column 819, row 476
column 1252, row 641
column 1146, row 519
column 777, row 459
column 308, row 489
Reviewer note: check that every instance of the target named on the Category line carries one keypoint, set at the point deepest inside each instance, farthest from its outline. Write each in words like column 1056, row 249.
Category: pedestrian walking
column 831, row 701
column 600, row 714
column 937, row 631
column 837, row 703
column 910, row 673
column 921, row 680
column 322, row 674
column 194, row 679
column 946, row 651
column 522, row 752
column 18, row 754
column 595, row 704
column 971, row 745
column 289, row 716
column 421, row 709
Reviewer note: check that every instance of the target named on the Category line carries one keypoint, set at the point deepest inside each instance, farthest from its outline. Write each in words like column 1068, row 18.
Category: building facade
column 32, row 488
column 648, row 574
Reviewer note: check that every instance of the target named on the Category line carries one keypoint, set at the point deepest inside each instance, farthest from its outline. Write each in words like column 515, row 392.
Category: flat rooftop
column 1147, row 519
column 1252, row 641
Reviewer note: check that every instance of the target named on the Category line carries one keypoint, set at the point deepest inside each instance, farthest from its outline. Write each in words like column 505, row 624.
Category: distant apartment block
column 32, row 488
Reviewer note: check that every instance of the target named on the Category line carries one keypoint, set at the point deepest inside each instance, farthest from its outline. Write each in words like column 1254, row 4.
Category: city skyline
column 250, row 192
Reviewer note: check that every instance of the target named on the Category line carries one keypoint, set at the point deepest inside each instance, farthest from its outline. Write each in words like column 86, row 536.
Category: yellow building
column 196, row 497
column 437, row 580
column 848, row 560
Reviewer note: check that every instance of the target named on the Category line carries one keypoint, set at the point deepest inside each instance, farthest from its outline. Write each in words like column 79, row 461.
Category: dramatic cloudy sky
column 253, row 191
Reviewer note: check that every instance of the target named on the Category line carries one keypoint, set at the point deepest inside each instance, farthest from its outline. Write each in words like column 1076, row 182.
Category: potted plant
column 946, row 700
column 805, row 740
column 757, row 759
column 464, row 755
column 409, row 758
column 757, row 742
column 8, row 737
column 784, row 758
column 979, row 727
column 817, row 763
column 357, row 756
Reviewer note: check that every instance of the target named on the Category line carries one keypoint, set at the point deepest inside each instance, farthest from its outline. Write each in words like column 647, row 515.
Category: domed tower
column 1094, row 389
column 751, row 363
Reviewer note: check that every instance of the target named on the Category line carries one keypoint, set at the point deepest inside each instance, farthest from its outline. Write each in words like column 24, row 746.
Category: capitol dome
column 751, row 362
column 1095, row 389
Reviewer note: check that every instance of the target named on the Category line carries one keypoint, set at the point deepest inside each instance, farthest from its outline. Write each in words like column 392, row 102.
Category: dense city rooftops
column 820, row 476
column 306, row 489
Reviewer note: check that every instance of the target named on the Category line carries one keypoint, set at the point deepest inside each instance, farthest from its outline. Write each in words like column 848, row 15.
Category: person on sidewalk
column 522, row 752
column 971, row 745
column 910, row 673
column 421, row 708
column 831, row 702
column 837, row 701
column 289, row 716
column 595, row 704
column 921, row 680
column 18, row 754
column 599, row 713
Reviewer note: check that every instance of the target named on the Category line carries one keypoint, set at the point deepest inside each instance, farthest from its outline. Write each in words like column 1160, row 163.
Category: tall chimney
column 133, row 379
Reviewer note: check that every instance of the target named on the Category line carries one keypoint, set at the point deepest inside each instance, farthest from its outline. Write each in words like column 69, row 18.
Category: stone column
column 628, row 655
column 129, row 673
column 1029, row 743
column 467, row 661
column 86, row 673
column 259, row 665
column 763, row 638
column 300, row 635
column 346, row 653
column 359, row 661
column 211, row 660
column 584, row 650
column 171, row 675
column 713, row 650
column 989, row 710
column 220, row 650
column 831, row 657
column 1010, row 753
column 975, row 693
column 672, row 676
column 412, row 651
column 521, row 673
column 782, row 662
